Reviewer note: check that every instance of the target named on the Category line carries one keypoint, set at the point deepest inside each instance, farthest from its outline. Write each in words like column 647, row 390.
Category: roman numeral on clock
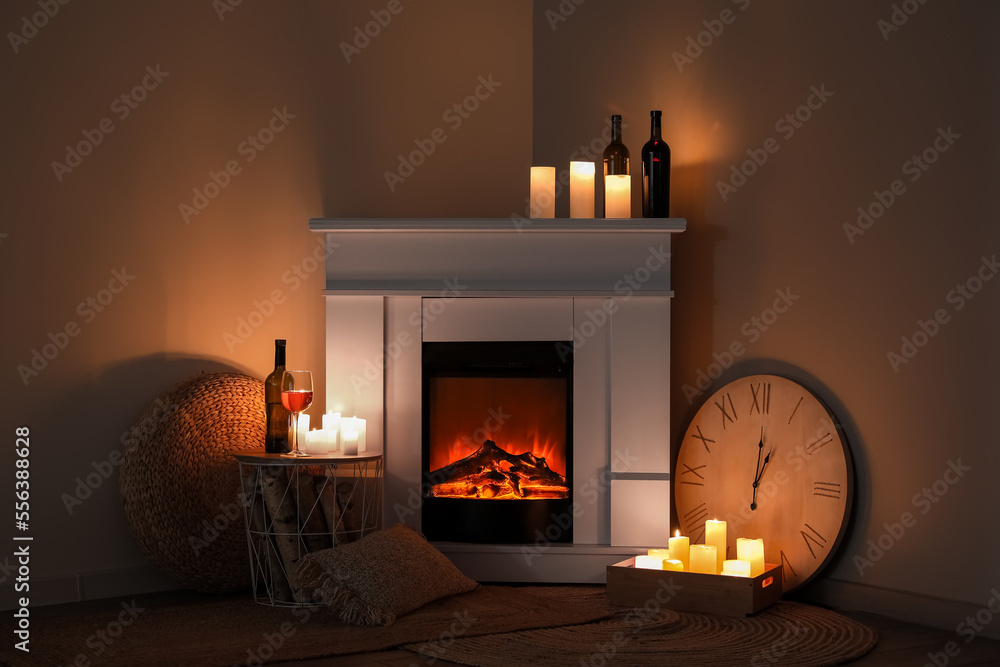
column 731, row 418
column 761, row 394
column 786, row 565
column 702, row 437
column 820, row 441
column 692, row 471
column 810, row 540
column 827, row 489
column 695, row 521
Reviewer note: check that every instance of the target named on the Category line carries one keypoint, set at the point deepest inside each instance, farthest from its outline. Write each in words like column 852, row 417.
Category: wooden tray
column 629, row 586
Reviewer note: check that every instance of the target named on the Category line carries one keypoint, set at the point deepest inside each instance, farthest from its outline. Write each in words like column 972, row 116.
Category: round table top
column 260, row 456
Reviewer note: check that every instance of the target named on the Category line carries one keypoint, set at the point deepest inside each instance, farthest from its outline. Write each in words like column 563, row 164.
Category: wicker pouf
column 180, row 484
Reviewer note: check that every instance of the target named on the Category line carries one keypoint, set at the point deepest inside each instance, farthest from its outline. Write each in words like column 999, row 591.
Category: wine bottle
column 655, row 172
column 276, row 436
column 616, row 154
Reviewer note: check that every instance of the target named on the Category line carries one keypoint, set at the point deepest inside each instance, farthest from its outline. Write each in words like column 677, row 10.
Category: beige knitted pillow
column 386, row 574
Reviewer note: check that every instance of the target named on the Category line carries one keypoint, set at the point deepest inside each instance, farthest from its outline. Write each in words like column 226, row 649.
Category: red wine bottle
column 655, row 172
column 616, row 154
column 276, row 436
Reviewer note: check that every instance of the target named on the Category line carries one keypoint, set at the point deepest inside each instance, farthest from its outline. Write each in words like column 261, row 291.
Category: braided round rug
column 786, row 633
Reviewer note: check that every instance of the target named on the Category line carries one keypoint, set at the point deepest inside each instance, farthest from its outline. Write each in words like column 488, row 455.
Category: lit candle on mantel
column 715, row 534
column 617, row 196
column 736, row 568
column 703, row 559
column 752, row 551
column 543, row 192
column 680, row 549
column 581, row 189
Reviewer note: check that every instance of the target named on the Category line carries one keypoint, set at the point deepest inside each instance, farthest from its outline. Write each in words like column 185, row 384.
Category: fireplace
column 398, row 292
column 497, row 440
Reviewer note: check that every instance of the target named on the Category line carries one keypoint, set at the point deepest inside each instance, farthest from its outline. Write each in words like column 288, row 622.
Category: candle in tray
column 752, row 551
column 715, row 534
column 736, row 568
column 581, row 189
column 350, row 439
column 543, row 192
column 673, row 565
column 648, row 562
column 703, row 559
column 617, row 196
column 680, row 549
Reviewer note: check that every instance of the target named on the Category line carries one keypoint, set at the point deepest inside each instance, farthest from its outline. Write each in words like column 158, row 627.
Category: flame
column 519, row 414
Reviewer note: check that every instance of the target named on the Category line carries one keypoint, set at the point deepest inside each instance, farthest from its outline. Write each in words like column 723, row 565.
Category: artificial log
column 268, row 560
column 284, row 523
column 310, row 513
column 328, row 501
column 492, row 472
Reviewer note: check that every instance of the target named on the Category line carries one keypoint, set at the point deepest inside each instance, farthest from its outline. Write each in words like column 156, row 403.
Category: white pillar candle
column 543, row 192
column 300, row 434
column 361, row 426
column 680, row 549
column 350, row 440
column 648, row 562
column 581, row 189
column 313, row 443
column 331, row 440
column 703, row 559
column 618, row 196
column 736, row 568
column 715, row 534
column 752, row 551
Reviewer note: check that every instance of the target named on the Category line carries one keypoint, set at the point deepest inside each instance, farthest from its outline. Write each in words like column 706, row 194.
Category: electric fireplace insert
column 497, row 441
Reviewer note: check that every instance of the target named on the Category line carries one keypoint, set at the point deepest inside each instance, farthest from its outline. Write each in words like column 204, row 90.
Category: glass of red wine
column 296, row 396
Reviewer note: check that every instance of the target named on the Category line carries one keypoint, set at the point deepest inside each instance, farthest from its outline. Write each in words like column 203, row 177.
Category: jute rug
column 236, row 631
column 787, row 633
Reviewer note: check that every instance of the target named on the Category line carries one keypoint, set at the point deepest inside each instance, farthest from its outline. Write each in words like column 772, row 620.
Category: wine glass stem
column 295, row 432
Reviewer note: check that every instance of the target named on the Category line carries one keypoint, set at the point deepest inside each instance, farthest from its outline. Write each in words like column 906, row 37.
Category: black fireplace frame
column 490, row 521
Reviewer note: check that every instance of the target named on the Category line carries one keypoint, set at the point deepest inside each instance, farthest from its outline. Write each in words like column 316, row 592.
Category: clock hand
column 758, row 470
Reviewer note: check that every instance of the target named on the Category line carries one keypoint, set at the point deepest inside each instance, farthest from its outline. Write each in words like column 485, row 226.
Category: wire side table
column 294, row 506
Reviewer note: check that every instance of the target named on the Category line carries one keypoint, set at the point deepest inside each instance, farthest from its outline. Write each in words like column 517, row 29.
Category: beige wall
column 783, row 229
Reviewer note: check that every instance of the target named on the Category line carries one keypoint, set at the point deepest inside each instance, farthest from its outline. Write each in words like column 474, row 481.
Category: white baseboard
column 120, row 583
column 902, row 606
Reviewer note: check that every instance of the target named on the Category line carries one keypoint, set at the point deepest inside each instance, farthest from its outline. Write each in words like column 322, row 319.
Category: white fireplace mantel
column 392, row 284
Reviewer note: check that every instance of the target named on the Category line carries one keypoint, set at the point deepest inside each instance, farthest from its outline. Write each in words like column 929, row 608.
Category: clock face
column 765, row 455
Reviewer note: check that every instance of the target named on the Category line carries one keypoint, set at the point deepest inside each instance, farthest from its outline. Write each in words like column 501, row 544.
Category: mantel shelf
column 516, row 225
column 498, row 256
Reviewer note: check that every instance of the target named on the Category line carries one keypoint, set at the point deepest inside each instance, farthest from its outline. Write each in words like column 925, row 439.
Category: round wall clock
column 765, row 455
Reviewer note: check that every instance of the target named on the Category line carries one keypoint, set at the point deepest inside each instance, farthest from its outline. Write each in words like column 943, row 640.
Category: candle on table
column 581, row 189
column 362, row 428
column 680, row 549
column 617, row 196
column 350, row 439
column 543, row 192
column 300, row 434
column 331, row 424
column 752, row 551
column 313, row 443
column 703, row 559
column 736, row 568
column 715, row 534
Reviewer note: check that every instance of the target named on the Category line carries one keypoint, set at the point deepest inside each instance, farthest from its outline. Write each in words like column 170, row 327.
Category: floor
column 900, row 644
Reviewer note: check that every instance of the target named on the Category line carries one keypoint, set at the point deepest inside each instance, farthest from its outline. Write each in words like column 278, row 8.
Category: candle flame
column 677, row 533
